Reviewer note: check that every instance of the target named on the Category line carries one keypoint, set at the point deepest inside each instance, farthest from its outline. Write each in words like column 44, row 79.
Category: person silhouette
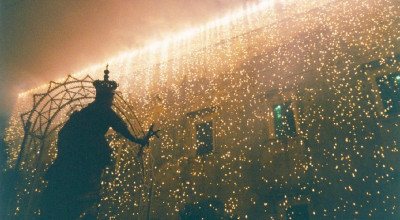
column 83, row 153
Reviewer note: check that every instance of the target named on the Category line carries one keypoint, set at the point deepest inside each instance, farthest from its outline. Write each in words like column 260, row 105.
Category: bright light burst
column 329, row 150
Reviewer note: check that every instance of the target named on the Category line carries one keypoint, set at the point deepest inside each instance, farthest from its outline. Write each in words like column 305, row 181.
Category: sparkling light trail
column 168, row 42
column 331, row 146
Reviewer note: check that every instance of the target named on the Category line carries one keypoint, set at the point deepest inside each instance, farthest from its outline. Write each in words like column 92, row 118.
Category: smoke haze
column 45, row 40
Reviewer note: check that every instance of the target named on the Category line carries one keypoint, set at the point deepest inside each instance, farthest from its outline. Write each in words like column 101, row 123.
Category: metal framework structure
column 41, row 124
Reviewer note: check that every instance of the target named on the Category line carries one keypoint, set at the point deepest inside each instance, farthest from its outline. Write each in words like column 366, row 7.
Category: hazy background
column 43, row 40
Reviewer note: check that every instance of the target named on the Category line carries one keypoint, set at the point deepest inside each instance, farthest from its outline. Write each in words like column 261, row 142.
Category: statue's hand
column 145, row 141
column 152, row 133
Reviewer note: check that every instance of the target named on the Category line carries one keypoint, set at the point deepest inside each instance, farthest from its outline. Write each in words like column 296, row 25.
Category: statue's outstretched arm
column 119, row 126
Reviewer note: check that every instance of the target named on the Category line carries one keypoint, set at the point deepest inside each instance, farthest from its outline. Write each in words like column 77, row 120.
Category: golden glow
column 166, row 43
column 308, row 52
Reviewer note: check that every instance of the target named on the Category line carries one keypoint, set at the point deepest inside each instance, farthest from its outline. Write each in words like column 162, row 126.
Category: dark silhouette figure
column 83, row 153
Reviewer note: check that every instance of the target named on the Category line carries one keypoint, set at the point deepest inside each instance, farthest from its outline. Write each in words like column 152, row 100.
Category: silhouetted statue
column 83, row 153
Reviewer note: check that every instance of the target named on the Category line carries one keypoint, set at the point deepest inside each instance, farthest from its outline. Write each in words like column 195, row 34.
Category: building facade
column 297, row 119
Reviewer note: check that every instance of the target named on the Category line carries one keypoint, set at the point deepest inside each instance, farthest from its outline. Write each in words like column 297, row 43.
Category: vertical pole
column 35, row 182
column 20, row 155
column 13, row 198
column 150, row 195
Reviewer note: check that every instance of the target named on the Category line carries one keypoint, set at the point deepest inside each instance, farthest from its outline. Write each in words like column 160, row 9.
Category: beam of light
column 179, row 37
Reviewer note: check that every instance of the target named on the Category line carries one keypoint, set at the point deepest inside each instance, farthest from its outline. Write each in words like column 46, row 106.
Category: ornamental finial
column 106, row 72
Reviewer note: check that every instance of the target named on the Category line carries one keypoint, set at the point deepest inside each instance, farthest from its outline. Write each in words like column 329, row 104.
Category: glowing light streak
column 184, row 35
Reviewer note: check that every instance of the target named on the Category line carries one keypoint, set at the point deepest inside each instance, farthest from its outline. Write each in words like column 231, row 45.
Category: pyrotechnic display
column 282, row 109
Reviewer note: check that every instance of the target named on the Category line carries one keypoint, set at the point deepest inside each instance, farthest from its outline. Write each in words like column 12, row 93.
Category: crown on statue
column 105, row 86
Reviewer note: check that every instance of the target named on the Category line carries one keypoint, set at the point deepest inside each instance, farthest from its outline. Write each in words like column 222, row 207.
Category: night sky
column 46, row 40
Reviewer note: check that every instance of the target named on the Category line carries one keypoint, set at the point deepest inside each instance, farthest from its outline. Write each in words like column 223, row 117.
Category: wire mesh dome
column 130, row 179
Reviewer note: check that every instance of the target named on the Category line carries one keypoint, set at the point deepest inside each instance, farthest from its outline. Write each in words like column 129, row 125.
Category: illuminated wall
column 291, row 95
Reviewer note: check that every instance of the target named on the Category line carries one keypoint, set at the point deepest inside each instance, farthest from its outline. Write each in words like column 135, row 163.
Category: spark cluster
column 322, row 57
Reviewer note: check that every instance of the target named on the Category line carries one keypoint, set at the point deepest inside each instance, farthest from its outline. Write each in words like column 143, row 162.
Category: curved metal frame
column 41, row 122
